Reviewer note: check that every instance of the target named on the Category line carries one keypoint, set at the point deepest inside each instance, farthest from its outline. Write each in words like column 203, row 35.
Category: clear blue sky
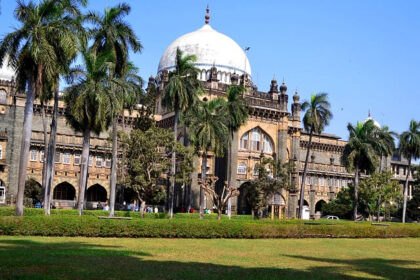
column 364, row 54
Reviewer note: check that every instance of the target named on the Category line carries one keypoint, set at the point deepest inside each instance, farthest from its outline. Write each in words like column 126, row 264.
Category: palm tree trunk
column 406, row 191
column 26, row 142
column 83, row 170
column 356, row 195
column 44, row 158
column 302, row 187
column 51, row 156
column 203, row 177
column 173, row 168
column 123, row 163
column 113, row 182
column 379, row 208
column 229, row 171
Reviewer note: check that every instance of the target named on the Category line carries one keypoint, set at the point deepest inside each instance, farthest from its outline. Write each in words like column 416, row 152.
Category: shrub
column 91, row 226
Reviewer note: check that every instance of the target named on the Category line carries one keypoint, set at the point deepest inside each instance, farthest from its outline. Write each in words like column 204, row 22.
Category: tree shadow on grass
column 27, row 259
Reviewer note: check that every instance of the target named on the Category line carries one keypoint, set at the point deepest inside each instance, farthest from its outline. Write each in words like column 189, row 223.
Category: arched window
column 255, row 139
column 241, row 168
column 3, row 95
column 244, row 141
column 268, row 145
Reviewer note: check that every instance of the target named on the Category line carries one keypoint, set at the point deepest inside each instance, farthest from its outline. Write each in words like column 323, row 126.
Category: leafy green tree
column 237, row 112
column 208, row 132
column 317, row 116
column 32, row 52
column 83, row 104
column 342, row 205
column 33, row 191
column 180, row 93
column 377, row 190
column 112, row 34
column 410, row 149
column 149, row 158
column 360, row 154
column 272, row 176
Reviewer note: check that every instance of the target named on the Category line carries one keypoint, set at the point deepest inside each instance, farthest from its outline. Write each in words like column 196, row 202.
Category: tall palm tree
column 32, row 54
column 179, row 94
column 126, row 90
column 237, row 112
column 209, row 132
column 317, row 116
column 386, row 143
column 84, row 101
column 111, row 33
column 409, row 147
column 66, row 47
column 360, row 153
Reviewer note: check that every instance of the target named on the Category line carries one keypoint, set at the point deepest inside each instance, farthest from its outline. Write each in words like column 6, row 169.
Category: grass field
column 113, row 258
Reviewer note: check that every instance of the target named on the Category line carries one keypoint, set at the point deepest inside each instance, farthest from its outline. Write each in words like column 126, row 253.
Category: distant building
column 273, row 130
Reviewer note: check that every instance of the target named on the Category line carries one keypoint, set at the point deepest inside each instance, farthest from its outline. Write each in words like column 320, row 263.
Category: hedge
column 90, row 226
column 10, row 211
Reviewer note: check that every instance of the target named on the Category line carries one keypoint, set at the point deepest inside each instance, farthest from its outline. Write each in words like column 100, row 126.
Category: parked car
column 329, row 217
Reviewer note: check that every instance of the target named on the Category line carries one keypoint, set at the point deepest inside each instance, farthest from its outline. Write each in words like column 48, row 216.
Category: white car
column 329, row 217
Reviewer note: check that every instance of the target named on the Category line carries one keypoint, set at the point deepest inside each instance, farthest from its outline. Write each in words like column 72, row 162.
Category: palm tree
column 66, row 47
column 237, row 112
column 32, row 54
column 179, row 94
column 410, row 148
column 317, row 116
column 360, row 153
column 126, row 91
column 84, row 101
column 209, row 133
column 111, row 33
column 386, row 143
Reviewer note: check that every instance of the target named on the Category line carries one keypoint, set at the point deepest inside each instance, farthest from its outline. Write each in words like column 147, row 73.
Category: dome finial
column 369, row 113
column 207, row 17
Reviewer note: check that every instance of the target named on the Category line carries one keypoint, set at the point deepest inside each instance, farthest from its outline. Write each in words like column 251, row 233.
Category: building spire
column 207, row 17
column 369, row 113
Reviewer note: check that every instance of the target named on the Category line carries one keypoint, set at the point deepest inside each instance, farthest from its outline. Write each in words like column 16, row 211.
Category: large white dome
column 211, row 48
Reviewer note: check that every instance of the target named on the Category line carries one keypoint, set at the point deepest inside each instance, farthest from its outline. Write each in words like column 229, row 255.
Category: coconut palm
column 85, row 105
column 409, row 147
column 179, row 94
column 66, row 47
column 360, row 153
column 111, row 33
column 32, row 53
column 208, row 132
column 237, row 112
column 317, row 116
column 385, row 144
column 125, row 91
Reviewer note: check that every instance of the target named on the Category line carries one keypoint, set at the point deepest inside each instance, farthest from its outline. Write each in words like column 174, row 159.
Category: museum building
column 273, row 130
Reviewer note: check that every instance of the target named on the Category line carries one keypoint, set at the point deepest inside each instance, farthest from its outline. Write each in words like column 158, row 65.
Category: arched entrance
column 318, row 206
column 305, row 203
column 64, row 191
column 96, row 193
column 243, row 205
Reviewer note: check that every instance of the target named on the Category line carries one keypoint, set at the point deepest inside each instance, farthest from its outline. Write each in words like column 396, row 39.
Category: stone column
column 281, row 152
column 312, row 200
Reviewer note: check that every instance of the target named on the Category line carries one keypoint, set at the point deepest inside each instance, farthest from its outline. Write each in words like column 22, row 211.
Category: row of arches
column 66, row 191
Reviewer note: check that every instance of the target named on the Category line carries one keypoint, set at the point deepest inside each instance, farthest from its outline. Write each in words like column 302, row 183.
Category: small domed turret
column 296, row 97
column 283, row 87
column 273, row 86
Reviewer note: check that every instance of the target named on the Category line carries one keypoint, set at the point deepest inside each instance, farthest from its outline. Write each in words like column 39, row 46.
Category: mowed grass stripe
column 115, row 258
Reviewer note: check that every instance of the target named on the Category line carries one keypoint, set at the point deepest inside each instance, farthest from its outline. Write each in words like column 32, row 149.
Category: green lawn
column 112, row 258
